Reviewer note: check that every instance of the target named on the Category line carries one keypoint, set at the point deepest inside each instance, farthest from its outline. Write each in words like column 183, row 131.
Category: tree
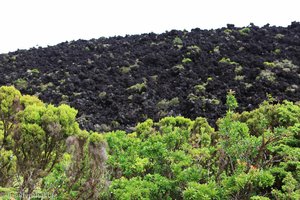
column 39, row 140
column 9, row 107
column 81, row 174
column 32, row 137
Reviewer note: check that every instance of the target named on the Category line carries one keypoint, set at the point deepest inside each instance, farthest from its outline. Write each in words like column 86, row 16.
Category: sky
column 32, row 23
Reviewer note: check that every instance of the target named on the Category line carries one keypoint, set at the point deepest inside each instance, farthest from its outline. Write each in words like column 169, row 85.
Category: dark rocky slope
column 118, row 81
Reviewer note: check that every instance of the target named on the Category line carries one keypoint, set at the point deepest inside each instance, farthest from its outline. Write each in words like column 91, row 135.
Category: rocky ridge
column 119, row 81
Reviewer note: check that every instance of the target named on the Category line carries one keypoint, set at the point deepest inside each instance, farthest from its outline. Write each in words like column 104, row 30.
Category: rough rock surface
column 119, row 81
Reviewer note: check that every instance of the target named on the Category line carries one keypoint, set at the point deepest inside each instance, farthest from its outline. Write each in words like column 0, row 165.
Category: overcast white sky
column 28, row 23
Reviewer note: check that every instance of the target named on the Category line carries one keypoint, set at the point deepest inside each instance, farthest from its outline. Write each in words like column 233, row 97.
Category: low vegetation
column 250, row 155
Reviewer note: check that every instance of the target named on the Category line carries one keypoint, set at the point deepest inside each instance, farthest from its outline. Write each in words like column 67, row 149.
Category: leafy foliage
column 33, row 140
column 251, row 155
column 81, row 174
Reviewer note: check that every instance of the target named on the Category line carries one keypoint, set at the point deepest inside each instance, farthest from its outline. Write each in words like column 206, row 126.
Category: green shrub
column 238, row 69
column 178, row 67
column 21, row 84
column 267, row 74
column 279, row 36
column 139, row 87
column 228, row 61
column 200, row 88
column 194, row 49
column 165, row 104
column 245, row 31
column 227, row 31
column 177, row 41
column 239, row 78
column 186, row 60
column 198, row 191
column 250, row 155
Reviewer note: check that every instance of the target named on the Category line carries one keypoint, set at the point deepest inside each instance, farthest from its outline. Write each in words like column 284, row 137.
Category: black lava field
column 118, row 81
